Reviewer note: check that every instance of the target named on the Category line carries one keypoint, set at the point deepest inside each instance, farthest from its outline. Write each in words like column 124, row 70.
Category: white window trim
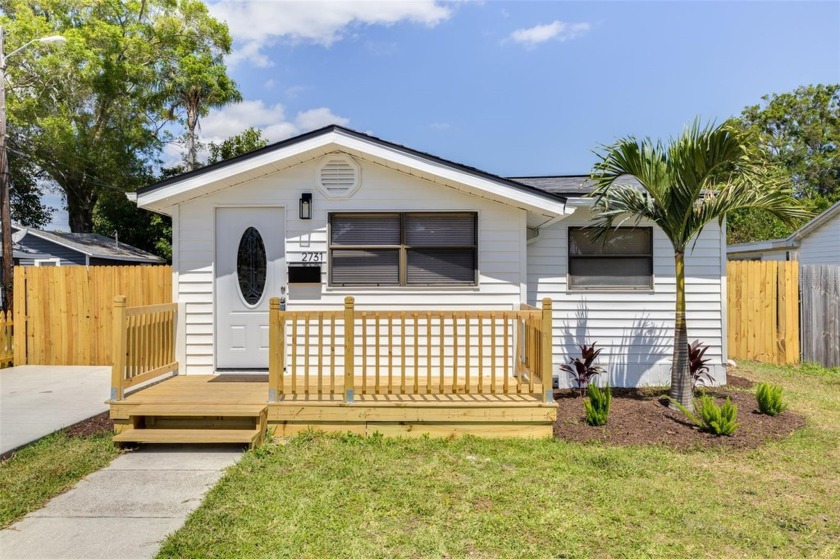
column 41, row 261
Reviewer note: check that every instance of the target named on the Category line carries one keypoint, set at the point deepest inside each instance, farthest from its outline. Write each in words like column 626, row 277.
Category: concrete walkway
column 123, row 511
column 38, row 400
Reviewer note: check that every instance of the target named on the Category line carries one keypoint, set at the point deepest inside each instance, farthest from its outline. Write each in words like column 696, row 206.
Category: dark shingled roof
column 567, row 186
column 361, row 135
column 98, row 246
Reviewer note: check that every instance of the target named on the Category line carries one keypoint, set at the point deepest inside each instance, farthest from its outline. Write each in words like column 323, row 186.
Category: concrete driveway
column 37, row 400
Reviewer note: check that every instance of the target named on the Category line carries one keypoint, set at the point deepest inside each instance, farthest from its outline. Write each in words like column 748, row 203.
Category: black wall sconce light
column 306, row 205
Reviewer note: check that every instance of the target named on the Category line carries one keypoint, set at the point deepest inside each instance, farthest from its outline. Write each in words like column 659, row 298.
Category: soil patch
column 92, row 426
column 642, row 416
column 741, row 383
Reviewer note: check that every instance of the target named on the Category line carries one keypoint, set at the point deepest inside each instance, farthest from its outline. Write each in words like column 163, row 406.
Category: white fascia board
column 815, row 223
column 162, row 199
column 761, row 246
column 580, row 202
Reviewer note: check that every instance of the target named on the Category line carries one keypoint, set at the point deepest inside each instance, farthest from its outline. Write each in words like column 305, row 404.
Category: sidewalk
column 38, row 400
column 123, row 511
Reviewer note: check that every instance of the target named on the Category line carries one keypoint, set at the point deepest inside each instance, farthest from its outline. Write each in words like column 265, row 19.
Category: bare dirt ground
column 642, row 416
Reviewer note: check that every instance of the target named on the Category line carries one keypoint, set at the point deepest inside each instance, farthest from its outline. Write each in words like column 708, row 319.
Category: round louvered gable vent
column 338, row 176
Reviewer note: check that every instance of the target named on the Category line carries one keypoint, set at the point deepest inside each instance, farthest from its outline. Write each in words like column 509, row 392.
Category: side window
column 624, row 260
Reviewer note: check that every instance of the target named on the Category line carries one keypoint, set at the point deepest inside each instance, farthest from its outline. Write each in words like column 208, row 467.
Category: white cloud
column 556, row 30
column 257, row 24
column 270, row 119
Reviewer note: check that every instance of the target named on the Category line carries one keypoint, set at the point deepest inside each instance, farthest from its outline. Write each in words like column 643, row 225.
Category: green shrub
column 597, row 405
column 719, row 420
column 769, row 398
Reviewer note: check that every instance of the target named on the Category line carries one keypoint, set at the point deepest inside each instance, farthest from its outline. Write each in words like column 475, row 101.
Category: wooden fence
column 6, row 340
column 820, row 286
column 63, row 315
column 763, row 311
column 144, row 344
column 351, row 352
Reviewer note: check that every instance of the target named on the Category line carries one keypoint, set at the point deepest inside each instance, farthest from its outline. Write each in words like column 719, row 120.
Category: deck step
column 243, row 436
column 198, row 410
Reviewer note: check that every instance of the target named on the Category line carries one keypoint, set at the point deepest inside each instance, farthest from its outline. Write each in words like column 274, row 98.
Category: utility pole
column 8, row 278
column 5, row 203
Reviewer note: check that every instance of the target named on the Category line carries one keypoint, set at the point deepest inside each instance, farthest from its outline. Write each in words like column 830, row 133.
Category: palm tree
column 700, row 176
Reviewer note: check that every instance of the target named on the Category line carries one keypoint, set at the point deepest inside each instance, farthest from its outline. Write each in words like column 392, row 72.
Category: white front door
column 250, row 268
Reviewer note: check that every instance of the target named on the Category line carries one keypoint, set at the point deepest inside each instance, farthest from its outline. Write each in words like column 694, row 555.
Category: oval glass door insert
column 251, row 263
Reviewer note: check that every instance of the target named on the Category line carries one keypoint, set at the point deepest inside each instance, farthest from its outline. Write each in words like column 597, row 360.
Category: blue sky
column 515, row 88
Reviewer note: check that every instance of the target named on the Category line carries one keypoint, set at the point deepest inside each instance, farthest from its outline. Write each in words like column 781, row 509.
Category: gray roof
column 567, row 186
column 97, row 246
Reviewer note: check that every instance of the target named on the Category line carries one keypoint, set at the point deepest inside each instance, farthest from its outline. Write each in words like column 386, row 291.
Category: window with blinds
column 624, row 260
column 408, row 249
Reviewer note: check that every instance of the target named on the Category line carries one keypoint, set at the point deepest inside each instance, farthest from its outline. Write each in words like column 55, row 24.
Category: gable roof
column 568, row 186
column 218, row 176
column 92, row 245
column 791, row 241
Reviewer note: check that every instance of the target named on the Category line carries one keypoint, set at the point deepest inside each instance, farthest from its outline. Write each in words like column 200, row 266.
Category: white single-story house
column 335, row 212
column 816, row 242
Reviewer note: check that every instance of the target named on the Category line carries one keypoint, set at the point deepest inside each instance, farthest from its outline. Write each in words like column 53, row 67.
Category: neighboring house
column 33, row 247
column 336, row 212
column 816, row 242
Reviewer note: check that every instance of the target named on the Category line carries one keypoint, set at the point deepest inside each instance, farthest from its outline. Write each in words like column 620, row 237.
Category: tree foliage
column 701, row 176
column 246, row 141
column 199, row 81
column 800, row 133
column 91, row 116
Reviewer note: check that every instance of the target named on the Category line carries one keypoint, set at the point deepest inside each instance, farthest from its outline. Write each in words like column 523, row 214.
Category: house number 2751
column 312, row 257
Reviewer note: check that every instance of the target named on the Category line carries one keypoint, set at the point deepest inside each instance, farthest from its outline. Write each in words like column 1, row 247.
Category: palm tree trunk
column 681, row 388
column 192, row 148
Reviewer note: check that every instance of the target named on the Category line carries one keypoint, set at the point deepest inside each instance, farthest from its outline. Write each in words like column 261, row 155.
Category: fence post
column 276, row 349
column 546, row 367
column 120, row 341
column 349, row 343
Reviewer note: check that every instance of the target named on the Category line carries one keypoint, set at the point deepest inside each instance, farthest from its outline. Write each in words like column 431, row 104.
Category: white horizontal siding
column 823, row 245
column 634, row 328
column 501, row 238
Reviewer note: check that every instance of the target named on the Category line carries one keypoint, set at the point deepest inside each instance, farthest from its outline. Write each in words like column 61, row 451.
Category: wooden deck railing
column 409, row 351
column 144, row 344
column 7, row 346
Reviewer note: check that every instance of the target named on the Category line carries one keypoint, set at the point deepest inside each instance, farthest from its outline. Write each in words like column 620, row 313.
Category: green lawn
column 48, row 467
column 344, row 496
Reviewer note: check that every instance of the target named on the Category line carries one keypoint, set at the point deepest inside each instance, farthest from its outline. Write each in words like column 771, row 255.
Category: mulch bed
column 642, row 416
column 92, row 426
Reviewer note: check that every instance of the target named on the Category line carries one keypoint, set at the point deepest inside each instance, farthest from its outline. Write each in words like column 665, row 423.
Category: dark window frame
column 615, row 257
column 404, row 248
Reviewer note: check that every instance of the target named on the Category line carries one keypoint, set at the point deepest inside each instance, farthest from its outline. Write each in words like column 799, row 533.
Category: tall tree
column 198, row 79
column 700, row 176
column 800, row 132
column 153, row 232
column 248, row 140
column 91, row 117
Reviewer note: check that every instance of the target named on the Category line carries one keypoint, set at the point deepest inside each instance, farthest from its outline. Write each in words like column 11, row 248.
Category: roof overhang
column 762, row 246
column 163, row 196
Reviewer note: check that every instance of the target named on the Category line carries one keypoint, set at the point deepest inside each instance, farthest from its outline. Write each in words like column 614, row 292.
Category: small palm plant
column 718, row 420
column 769, row 398
column 597, row 406
column 697, row 366
column 583, row 369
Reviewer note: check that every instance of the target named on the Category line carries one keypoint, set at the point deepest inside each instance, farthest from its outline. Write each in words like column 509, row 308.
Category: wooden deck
column 183, row 408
